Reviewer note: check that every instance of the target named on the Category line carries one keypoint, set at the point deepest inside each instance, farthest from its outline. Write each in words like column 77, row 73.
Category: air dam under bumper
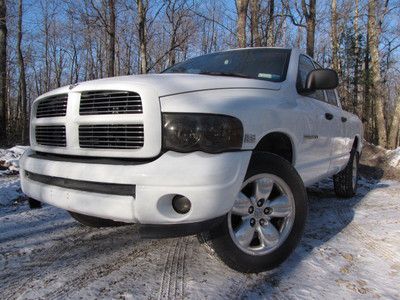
column 210, row 181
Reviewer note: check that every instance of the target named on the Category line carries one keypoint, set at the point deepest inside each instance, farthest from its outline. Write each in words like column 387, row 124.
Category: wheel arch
column 278, row 143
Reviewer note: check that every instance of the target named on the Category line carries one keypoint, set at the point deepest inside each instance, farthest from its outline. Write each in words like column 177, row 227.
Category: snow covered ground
column 9, row 159
column 351, row 249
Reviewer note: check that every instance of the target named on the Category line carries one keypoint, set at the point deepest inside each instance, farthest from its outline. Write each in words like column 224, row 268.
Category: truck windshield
column 257, row 63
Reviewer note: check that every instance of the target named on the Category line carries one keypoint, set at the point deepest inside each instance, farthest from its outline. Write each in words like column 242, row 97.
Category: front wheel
column 267, row 219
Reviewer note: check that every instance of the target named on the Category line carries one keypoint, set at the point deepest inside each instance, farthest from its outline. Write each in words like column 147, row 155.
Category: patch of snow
column 9, row 159
column 10, row 190
column 393, row 157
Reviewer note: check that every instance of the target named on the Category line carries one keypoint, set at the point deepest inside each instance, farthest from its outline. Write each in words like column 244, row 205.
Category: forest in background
column 48, row 44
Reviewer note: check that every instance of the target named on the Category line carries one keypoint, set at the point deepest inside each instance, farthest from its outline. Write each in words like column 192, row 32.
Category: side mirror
column 322, row 79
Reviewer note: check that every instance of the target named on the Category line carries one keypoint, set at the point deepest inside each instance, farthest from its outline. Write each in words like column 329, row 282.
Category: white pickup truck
column 223, row 143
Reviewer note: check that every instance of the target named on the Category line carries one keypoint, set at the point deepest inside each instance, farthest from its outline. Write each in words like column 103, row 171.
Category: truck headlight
column 183, row 132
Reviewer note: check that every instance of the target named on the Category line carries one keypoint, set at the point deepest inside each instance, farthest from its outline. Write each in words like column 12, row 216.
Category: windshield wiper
column 233, row 74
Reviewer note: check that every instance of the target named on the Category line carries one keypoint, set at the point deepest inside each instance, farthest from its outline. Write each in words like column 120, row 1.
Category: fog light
column 181, row 204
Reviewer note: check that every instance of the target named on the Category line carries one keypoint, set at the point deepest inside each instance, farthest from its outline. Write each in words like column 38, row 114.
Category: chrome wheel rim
column 354, row 173
column 263, row 214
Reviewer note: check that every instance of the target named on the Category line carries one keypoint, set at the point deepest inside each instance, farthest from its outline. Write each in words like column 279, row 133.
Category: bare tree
column 241, row 6
column 394, row 126
column 309, row 13
column 3, row 72
column 88, row 39
column 178, row 14
column 111, row 41
column 334, row 36
column 22, row 96
column 375, row 75
column 356, row 58
column 46, row 29
column 271, row 24
column 142, row 13
column 254, row 24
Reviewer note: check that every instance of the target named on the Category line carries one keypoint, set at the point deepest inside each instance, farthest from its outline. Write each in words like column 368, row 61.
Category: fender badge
column 71, row 86
column 310, row 137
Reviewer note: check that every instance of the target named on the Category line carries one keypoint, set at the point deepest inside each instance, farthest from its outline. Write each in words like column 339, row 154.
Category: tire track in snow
column 345, row 217
column 44, row 260
column 173, row 277
column 99, row 268
column 92, row 274
column 16, row 288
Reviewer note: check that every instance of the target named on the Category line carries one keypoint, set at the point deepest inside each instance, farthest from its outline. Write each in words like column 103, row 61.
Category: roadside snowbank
column 393, row 157
column 9, row 159
column 382, row 163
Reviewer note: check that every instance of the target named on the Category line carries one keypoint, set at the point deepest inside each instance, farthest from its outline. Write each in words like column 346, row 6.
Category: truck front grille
column 51, row 135
column 110, row 102
column 55, row 106
column 111, row 136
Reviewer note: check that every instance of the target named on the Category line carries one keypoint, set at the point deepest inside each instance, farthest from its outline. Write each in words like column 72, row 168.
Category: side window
column 305, row 67
column 331, row 97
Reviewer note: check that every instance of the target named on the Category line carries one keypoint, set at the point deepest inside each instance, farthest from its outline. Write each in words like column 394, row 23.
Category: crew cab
column 223, row 144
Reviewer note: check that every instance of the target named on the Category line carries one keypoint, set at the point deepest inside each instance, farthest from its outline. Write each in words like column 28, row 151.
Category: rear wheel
column 94, row 221
column 346, row 181
column 267, row 219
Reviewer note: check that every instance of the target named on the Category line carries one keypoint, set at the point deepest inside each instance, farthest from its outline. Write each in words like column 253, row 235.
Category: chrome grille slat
column 113, row 99
column 110, row 92
column 110, row 102
column 51, row 135
column 111, row 136
column 46, row 105
column 54, row 106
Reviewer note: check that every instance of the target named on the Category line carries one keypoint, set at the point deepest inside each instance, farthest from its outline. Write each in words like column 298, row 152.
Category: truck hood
column 169, row 84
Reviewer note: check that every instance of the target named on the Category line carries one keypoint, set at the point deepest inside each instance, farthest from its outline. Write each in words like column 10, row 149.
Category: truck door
column 317, row 143
column 340, row 149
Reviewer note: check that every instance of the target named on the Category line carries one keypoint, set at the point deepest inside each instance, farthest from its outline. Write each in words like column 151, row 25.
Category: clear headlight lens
column 209, row 133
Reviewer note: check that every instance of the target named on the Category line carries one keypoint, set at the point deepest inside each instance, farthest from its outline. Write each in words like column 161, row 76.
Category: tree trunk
column 255, row 15
column 241, row 6
column 172, row 52
column 142, row 13
column 356, row 60
column 309, row 13
column 366, row 109
column 394, row 126
column 46, row 49
column 376, row 82
column 22, row 80
column 3, row 73
column 111, row 37
column 334, row 36
column 271, row 24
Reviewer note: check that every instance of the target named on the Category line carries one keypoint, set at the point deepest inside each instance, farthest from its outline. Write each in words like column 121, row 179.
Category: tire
column 346, row 181
column 264, row 168
column 94, row 221
column 34, row 204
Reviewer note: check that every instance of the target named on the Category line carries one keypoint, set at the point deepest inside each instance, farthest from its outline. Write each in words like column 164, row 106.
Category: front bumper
column 210, row 181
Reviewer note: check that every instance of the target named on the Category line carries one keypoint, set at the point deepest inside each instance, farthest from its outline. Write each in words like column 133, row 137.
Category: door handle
column 328, row 116
column 344, row 119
